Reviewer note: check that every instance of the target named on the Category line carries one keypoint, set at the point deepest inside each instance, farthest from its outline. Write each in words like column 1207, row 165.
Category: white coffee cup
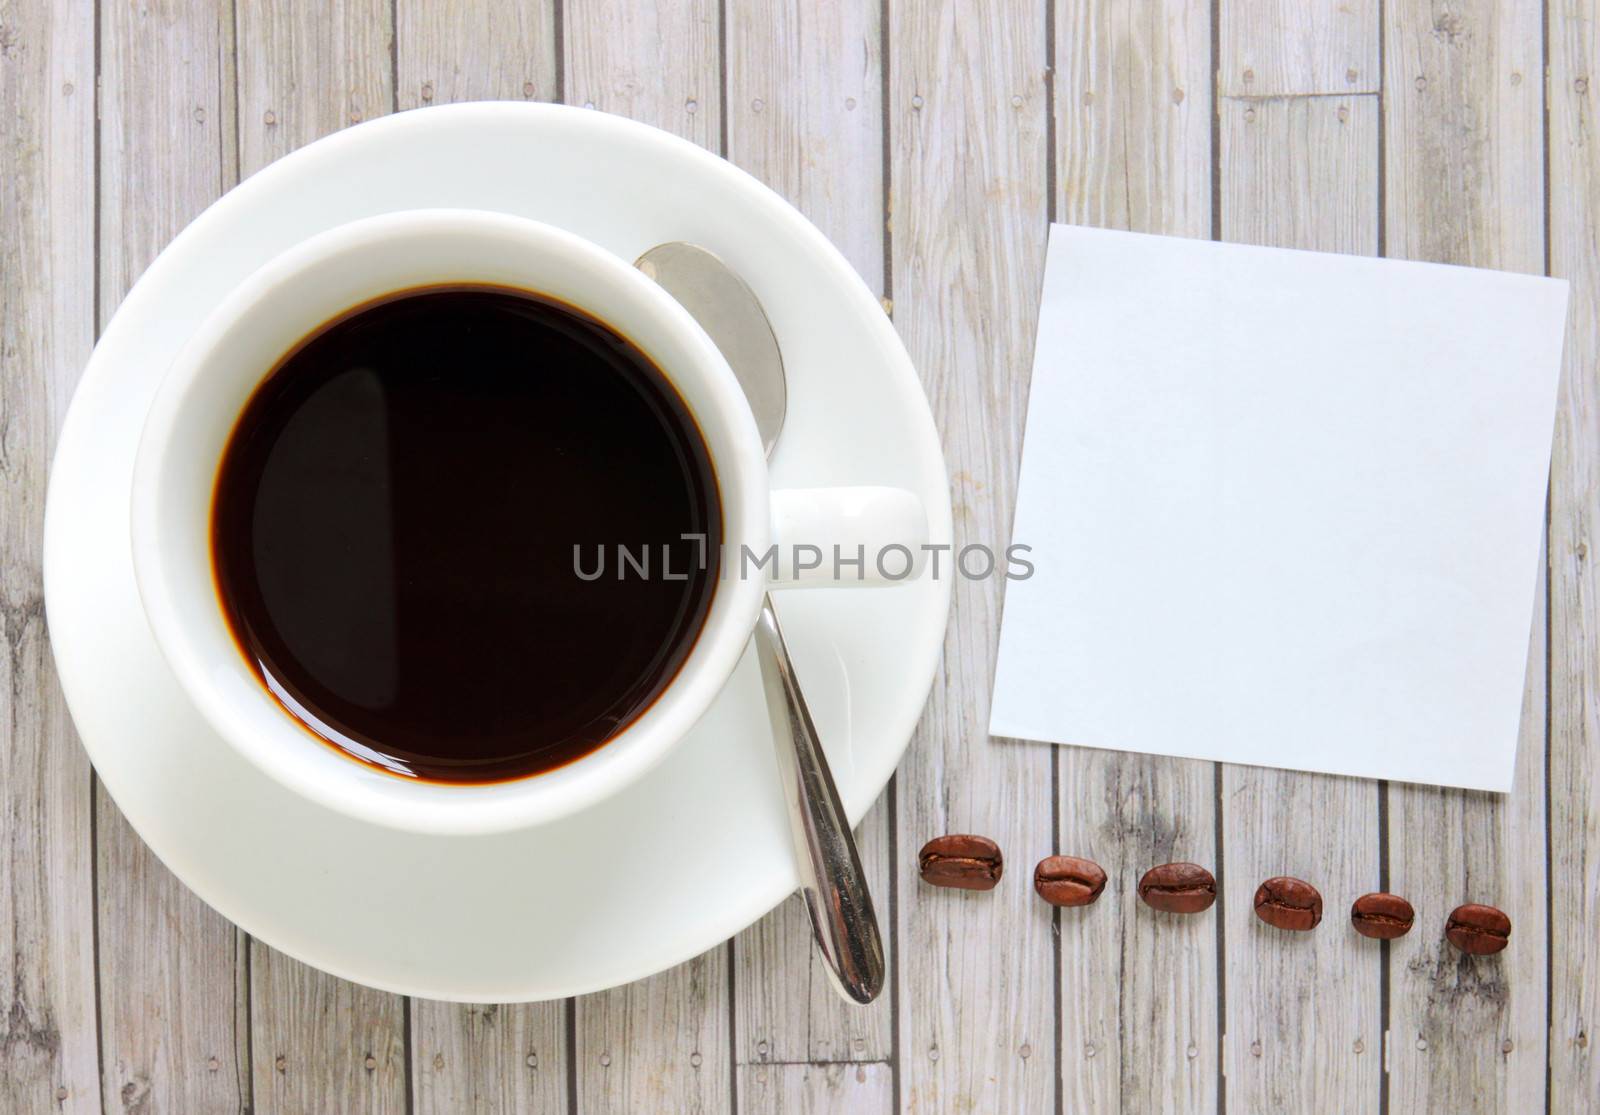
column 262, row 320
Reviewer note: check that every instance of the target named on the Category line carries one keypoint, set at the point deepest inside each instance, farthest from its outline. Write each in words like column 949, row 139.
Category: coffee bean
column 958, row 860
column 1384, row 916
column 1178, row 888
column 1288, row 903
column 1479, row 930
column 1068, row 880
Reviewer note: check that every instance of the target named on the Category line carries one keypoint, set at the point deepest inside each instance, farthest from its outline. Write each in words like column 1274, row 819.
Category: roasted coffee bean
column 1479, row 930
column 958, row 860
column 1068, row 880
column 1288, row 903
column 1384, row 916
column 1178, row 888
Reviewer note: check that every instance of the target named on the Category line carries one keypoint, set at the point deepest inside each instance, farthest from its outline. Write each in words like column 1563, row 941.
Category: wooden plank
column 968, row 177
column 805, row 115
column 1138, row 989
column 48, row 1058
column 484, row 1059
column 323, row 1044
column 1133, row 150
column 661, row 1044
column 664, row 1043
column 1133, row 117
column 307, row 70
column 172, row 995
column 1270, row 48
column 654, row 62
column 785, row 1008
column 481, row 1057
column 1464, row 131
column 304, row 71
column 474, row 50
column 833, row 1089
column 1302, row 173
column 1574, row 39
column 1303, row 1018
column 173, row 991
column 1469, row 1034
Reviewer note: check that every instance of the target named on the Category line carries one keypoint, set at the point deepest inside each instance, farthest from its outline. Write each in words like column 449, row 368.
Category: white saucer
column 699, row 848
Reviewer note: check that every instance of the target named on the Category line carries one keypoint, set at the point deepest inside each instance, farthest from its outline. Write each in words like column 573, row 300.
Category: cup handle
column 837, row 537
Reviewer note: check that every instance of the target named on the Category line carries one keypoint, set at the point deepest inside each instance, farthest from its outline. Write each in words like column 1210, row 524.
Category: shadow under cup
column 466, row 533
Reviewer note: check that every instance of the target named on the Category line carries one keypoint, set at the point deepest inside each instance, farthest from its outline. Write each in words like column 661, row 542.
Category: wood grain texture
column 805, row 115
column 664, row 1043
column 1133, row 115
column 174, row 1017
column 1270, row 48
column 1574, row 41
column 308, row 69
column 481, row 1058
column 488, row 1059
column 1133, row 150
column 1464, row 184
column 1138, row 988
column 305, row 71
column 968, row 178
column 1302, row 173
column 321, row 1043
column 786, row 1010
column 1464, row 135
column 835, row 1089
column 1303, row 1009
column 655, row 62
column 48, row 1056
column 1469, row 1033
column 475, row 50
column 173, row 1000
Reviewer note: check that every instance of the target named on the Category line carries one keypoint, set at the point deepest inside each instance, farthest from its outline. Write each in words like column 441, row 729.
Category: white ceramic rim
column 186, row 430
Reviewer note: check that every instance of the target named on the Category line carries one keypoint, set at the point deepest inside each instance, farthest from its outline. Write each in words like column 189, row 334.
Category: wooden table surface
column 932, row 140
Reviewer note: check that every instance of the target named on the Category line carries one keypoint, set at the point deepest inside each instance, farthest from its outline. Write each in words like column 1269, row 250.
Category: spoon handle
column 831, row 882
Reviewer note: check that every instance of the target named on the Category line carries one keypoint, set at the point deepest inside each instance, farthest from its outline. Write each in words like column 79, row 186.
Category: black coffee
column 410, row 513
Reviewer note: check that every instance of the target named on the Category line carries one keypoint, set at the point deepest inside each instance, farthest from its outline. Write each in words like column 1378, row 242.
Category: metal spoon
column 831, row 881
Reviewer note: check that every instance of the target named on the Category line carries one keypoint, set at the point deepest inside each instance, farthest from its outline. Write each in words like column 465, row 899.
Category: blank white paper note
column 1285, row 508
